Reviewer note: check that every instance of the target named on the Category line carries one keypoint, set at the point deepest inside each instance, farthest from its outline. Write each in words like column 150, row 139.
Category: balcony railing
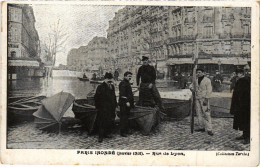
column 180, row 56
column 224, row 36
column 182, row 38
column 156, row 44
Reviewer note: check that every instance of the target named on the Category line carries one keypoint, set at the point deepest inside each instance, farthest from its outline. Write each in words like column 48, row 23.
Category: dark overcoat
column 240, row 105
column 125, row 93
column 105, row 102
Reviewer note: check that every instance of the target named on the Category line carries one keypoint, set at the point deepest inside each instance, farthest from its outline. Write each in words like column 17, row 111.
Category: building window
column 13, row 54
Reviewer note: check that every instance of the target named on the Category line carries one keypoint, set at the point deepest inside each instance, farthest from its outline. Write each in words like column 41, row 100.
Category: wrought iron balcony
column 180, row 56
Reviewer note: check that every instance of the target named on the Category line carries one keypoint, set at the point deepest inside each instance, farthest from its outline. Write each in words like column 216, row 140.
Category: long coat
column 240, row 105
column 125, row 93
column 105, row 102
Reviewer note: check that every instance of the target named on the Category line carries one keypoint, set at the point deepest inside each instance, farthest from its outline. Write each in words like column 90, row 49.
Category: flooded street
column 50, row 86
column 172, row 135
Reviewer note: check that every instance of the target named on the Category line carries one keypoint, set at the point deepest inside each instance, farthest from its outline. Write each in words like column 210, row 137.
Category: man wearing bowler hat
column 147, row 87
column 105, row 102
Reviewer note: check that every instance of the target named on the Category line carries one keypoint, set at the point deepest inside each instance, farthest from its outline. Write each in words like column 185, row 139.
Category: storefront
column 225, row 65
column 19, row 69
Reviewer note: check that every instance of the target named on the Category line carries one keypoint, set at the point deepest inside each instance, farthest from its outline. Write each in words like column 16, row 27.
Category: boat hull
column 87, row 114
column 220, row 107
column 22, row 108
column 145, row 117
column 175, row 109
column 83, row 79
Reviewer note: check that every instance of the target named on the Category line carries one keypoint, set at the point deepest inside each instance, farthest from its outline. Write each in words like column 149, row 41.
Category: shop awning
column 23, row 63
column 233, row 60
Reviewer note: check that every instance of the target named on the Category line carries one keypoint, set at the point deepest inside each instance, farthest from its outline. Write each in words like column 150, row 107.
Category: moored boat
column 85, row 110
column 176, row 103
column 22, row 108
column 50, row 114
column 83, row 79
column 176, row 109
column 145, row 117
column 220, row 107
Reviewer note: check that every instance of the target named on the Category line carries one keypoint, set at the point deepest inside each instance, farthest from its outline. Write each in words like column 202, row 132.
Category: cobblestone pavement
column 171, row 135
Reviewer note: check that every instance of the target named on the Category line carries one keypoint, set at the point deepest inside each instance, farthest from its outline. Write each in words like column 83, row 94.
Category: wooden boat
column 220, row 107
column 176, row 109
column 50, row 114
column 85, row 110
column 83, row 79
column 145, row 118
column 22, row 108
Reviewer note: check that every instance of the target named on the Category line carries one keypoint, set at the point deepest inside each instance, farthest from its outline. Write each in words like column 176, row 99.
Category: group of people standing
column 240, row 103
column 183, row 80
column 106, row 103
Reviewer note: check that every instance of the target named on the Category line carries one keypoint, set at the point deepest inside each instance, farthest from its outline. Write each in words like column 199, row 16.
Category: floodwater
column 50, row 86
column 172, row 134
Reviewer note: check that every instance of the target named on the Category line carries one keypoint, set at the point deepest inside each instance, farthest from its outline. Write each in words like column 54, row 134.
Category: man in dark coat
column 183, row 81
column 217, row 81
column 233, row 81
column 176, row 79
column 240, row 106
column 147, row 89
column 105, row 102
column 126, row 102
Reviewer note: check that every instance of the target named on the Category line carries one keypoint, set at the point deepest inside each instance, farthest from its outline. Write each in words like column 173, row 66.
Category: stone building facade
column 23, row 41
column 171, row 36
column 93, row 57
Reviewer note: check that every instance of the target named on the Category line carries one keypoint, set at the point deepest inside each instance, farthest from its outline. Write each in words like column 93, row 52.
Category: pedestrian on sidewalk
column 183, row 81
column 203, row 93
column 217, row 82
column 233, row 81
column 105, row 102
column 126, row 102
column 240, row 106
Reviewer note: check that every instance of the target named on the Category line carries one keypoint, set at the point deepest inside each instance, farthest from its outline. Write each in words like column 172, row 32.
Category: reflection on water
column 49, row 87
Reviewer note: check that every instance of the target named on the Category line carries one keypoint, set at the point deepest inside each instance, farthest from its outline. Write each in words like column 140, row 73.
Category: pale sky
column 81, row 22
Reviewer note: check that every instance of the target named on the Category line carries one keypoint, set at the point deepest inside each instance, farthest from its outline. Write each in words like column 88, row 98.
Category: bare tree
column 56, row 41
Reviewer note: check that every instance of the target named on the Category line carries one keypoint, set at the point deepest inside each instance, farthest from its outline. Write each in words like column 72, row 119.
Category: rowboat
column 176, row 103
column 220, row 107
column 21, row 108
column 84, row 110
column 145, row 118
column 176, row 109
column 50, row 115
column 83, row 79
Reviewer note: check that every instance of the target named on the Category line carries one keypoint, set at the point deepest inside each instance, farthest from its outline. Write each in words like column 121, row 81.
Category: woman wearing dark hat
column 240, row 106
column 105, row 102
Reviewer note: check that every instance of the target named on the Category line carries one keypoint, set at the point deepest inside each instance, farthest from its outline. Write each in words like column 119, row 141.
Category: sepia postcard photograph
column 130, row 83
